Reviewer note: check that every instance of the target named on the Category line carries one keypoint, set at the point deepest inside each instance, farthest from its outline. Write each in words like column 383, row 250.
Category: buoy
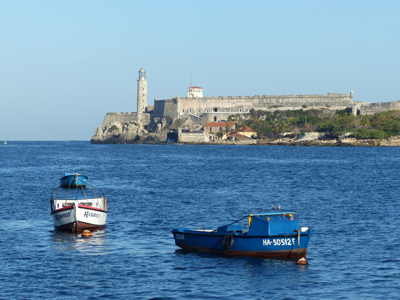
column 302, row 261
column 86, row 233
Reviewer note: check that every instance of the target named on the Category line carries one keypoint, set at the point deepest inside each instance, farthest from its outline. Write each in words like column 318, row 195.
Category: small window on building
column 240, row 110
column 215, row 109
column 190, row 110
column 183, row 110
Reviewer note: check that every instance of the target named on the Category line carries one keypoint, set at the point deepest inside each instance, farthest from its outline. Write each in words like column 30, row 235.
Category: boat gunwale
column 81, row 206
column 63, row 208
column 91, row 208
column 237, row 234
column 72, row 174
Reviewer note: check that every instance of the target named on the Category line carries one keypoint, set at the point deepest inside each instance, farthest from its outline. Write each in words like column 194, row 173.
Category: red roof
column 246, row 129
column 219, row 124
column 195, row 87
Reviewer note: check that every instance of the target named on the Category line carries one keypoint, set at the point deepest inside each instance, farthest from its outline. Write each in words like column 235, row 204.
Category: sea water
column 348, row 196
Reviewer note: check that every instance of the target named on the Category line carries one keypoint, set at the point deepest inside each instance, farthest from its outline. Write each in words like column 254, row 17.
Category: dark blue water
column 348, row 196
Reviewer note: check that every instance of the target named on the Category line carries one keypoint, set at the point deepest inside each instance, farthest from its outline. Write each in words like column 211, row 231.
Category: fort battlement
column 179, row 106
column 374, row 108
column 124, row 117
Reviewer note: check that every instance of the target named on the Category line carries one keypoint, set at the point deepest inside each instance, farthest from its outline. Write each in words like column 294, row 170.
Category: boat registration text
column 279, row 242
column 179, row 236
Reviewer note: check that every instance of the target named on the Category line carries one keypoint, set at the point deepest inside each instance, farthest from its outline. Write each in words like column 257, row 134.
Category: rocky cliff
column 132, row 132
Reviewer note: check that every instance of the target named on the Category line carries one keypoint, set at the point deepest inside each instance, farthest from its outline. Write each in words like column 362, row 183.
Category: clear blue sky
column 65, row 64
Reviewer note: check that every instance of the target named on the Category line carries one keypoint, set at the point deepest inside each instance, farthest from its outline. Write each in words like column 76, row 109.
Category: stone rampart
column 218, row 116
column 192, row 137
column 119, row 117
column 330, row 100
column 197, row 106
column 165, row 108
column 124, row 118
column 375, row 108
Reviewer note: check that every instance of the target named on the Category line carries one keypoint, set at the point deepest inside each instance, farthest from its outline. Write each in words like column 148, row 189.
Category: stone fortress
column 195, row 110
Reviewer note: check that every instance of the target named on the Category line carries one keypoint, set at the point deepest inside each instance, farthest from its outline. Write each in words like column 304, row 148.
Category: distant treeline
column 334, row 124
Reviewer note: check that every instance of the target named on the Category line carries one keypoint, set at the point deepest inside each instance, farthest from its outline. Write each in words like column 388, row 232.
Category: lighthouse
column 142, row 92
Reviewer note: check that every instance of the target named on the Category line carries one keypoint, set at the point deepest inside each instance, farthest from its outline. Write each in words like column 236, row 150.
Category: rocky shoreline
column 307, row 139
column 157, row 133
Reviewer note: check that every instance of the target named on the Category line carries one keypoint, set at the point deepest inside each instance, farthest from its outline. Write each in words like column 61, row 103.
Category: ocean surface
column 348, row 196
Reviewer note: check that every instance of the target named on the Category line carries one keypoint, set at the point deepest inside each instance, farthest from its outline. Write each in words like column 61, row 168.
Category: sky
column 65, row 64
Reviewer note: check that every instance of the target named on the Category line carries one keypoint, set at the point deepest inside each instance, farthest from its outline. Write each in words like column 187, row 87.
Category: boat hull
column 73, row 180
column 282, row 247
column 76, row 218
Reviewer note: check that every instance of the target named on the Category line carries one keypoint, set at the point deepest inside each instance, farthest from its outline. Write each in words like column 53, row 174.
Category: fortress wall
column 219, row 108
column 217, row 117
column 168, row 108
column 197, row 106
column 119, row 117
column 125, row 118
column 332, row 101
column 191, row 137
column 375, row 108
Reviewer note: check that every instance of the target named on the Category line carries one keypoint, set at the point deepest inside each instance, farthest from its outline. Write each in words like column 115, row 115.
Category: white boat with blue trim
column 78, row 209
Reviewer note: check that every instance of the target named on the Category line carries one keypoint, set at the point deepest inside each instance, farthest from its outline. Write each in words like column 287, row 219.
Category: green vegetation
column 113, row 128
column 178, row 123
column 334, row 124
column 220, row 134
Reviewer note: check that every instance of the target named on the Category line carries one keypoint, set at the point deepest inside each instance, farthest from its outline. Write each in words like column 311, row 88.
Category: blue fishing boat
column 73, row 180
column 270, row 235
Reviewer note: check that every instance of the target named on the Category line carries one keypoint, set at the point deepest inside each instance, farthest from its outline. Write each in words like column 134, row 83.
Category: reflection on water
column 94, row 245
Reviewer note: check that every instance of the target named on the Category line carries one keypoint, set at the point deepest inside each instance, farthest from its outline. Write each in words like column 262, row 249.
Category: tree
column 227, row 129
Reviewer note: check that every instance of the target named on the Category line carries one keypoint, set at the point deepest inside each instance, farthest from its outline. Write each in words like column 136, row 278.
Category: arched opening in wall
column 231, row 109
column 240, row 110
column 183, row 110
column 190, row 110
column 215, row 118
column 215, row 109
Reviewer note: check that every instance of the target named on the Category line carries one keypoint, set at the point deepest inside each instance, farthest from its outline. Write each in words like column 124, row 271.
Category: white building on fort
column 195, row 92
